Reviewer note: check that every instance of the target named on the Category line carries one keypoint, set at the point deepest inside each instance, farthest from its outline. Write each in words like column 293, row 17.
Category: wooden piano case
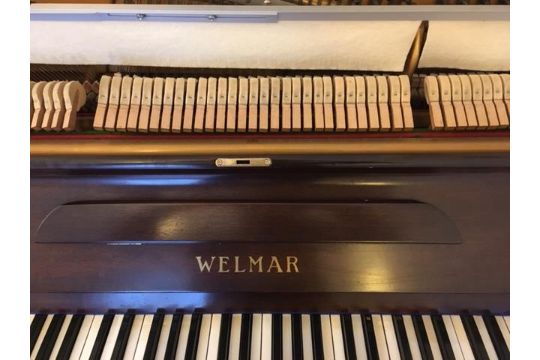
column 381, row 221
column 395, row 223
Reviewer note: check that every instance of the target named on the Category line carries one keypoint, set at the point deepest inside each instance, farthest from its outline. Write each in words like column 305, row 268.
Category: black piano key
column 35, row 329
column 50, row 337
column 101, row 337
column 297, row 341
column 369, row 337
column 224, row 336
column 174, row 335
column 70, row 337
column 316, row 337
column 245, row 337
column 193, row 336
column 401, row 336
column 442, row 337
column 277, row 337
column 473, row 335
column 496, row 336
column 123, row 336
column 348, row 336
column 153, row 336
column 421, row 337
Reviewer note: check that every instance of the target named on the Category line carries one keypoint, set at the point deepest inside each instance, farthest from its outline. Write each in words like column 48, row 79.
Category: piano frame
column 464, row 175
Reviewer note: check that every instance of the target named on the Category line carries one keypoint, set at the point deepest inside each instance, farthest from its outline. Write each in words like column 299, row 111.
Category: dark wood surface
column 332, row 302
column 283, row 222
column 473, row 272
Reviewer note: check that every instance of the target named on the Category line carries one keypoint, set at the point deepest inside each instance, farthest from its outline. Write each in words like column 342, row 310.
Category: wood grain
column 472, row 190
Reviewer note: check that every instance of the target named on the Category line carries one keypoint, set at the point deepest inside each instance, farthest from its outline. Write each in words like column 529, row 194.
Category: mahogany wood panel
column 402, row 222
column 148, row 302
column 473, row 193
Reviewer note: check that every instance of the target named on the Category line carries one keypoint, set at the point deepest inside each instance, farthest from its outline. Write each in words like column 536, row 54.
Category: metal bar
column 62, row 12
column 188, row 16
column 269, row 147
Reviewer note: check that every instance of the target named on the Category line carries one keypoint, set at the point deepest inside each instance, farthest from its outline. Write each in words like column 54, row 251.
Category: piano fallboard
column 375, row 260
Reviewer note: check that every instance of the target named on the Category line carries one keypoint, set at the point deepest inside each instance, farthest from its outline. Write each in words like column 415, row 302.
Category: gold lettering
column 223, row 261
column 292, row 261
column 253, row 262
column 204, row 265
column 274, row 263
column 237, row 265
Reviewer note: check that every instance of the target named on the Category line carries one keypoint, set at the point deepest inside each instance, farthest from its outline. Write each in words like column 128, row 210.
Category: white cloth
column 342, row 45
column 467, row 45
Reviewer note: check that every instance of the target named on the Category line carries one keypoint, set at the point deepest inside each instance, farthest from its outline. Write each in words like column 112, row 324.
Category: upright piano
column 270, row 181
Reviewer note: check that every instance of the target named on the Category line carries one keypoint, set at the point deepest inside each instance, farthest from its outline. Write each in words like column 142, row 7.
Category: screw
column 219, row 162
column 140, row 16
column 212, row 17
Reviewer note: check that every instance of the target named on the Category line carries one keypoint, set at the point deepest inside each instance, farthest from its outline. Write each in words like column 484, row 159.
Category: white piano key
column 204, row 334
column 307, row 344
column 143, row 337
column 41, row 336
column 380, row 337
column 432, row 337
column 266, row 338
column 234, row 342
column 485, row 337
column 61, row 336
column 91, row 338
column 504, row 330
column 337, row 337
column 81, row 338
column 164, row 337
column 507, row 321
column 108, row 348
column 411, row 337
column 213, row 340
column 358, row 334
column 183, row 337
column 326, row 332
column 500, row 321
column 256, row 333
column 452, row 337
column 133, row 339
column 287, row 336
column 391, row 340
column 462, row 338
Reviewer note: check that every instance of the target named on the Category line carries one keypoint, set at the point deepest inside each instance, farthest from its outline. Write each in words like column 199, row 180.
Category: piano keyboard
column 254, row 104
column 269, row 336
